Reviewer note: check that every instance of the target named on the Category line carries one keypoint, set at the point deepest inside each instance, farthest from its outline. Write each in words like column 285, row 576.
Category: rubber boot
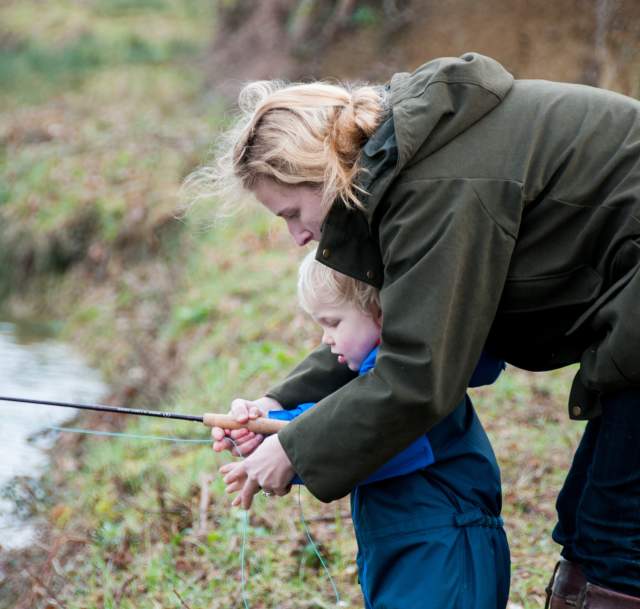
column 597, row 597
column 566, row 585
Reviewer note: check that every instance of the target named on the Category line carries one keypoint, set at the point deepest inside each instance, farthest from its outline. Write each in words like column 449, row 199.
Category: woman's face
column 298, row 206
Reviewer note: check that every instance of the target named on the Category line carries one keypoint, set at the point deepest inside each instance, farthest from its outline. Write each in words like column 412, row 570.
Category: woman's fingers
column 281, row 492
column 245, row 498
column 234, row 487
column 232, row 471
column 268, row 467
column 247, row 447
column 223, row 445
column 225, row 439
column 218, row 434
column 227, row 467
column 243, row 410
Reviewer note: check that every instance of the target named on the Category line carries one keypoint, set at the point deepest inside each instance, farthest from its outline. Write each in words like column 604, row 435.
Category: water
column 40, row 368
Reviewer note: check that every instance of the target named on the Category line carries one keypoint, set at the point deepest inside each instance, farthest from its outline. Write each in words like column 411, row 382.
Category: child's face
column 349, row 332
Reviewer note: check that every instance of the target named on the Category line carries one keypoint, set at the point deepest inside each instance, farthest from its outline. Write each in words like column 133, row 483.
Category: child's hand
column 235, row 477
column 244, row 441
column 268, row 469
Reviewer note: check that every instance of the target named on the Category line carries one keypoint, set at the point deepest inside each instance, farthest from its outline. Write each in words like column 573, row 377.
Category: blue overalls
column 428, row 522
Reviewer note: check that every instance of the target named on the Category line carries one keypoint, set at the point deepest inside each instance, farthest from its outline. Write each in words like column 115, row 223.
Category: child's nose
column 326, row 339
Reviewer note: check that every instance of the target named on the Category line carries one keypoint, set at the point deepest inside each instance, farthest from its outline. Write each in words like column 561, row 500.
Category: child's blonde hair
column 294, row 134
column 319, row 284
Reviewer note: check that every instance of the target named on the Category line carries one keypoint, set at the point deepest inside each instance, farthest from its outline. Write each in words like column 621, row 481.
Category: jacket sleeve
column 317, row 376
column 446, row 258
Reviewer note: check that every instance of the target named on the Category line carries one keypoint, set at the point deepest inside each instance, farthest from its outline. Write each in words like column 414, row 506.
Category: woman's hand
column 244, row 441
column 268, row 468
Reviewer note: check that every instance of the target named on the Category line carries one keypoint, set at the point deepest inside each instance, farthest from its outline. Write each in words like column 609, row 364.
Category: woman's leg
column 606, row 538
column 568, row 579
column 572, row 490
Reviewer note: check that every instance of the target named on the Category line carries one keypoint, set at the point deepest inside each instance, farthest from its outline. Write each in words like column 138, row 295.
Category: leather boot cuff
column 596, row 597
column 567, row 582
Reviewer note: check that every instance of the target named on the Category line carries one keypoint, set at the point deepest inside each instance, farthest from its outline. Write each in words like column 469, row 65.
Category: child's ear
column 377, row 315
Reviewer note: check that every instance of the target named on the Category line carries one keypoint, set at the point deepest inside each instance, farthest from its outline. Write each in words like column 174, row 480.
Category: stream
column 33, row 364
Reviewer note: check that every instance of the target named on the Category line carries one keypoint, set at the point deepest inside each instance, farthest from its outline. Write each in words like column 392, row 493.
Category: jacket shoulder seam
column 475, row 192
column 488, row 212
column 457, row 81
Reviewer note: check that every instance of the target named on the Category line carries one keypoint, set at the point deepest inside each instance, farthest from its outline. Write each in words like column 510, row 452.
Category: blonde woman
column 488, row 211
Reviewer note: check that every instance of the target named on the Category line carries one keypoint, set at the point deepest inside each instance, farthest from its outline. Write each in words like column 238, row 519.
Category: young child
column 427, row 523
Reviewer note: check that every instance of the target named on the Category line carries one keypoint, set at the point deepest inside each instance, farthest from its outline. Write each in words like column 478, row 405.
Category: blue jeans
column 599, row 504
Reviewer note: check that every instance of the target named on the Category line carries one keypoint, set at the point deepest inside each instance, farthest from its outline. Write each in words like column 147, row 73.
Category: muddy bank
column 595, row 42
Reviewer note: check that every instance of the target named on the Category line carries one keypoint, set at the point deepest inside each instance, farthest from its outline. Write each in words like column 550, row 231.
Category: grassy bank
column 103, row 113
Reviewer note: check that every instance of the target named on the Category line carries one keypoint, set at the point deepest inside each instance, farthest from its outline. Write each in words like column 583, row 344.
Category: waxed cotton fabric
column 508, row 216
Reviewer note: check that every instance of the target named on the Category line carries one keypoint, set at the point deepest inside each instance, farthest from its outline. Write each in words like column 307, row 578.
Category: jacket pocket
column 579, row 286
column 531, row 330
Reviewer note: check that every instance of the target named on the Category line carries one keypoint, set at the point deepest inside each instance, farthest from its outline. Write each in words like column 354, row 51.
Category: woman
column 489, row 211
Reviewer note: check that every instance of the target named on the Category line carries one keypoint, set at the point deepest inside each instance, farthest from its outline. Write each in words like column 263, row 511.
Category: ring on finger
column 267, row 493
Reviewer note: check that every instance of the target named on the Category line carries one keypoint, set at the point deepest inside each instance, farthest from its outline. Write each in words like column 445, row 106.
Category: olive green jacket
column 501, row 213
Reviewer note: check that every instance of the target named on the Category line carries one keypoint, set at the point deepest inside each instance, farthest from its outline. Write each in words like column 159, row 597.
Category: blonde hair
column 309, row 134
column 319, row 284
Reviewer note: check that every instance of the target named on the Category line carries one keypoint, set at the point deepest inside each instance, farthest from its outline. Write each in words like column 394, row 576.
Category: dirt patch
column 595, row 43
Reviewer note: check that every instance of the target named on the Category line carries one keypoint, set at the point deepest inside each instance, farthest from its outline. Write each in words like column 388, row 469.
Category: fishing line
column 245, row 527
column 339, row 603
column 116, row 434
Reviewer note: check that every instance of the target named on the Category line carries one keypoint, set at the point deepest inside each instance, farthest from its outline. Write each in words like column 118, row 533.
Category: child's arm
column 487, row 370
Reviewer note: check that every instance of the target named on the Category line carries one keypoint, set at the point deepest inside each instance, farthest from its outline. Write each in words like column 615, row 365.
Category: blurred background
column 109, row 293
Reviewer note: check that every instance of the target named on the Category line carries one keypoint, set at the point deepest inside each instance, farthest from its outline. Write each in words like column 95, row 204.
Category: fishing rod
column 261, row 425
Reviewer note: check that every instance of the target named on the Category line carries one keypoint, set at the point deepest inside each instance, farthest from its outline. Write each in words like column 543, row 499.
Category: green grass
column 46, row 50
column 105, row 113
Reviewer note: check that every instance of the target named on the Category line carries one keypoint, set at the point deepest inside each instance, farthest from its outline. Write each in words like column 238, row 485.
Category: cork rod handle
column 260, row 425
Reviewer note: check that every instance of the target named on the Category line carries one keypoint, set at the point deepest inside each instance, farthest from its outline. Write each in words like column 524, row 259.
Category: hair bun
column 355, row 122
column 366, row 109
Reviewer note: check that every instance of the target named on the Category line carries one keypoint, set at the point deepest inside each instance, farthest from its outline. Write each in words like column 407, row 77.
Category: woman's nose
column 300, row 235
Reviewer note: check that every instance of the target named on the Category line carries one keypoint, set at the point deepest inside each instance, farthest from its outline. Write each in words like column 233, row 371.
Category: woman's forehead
column 272, row 195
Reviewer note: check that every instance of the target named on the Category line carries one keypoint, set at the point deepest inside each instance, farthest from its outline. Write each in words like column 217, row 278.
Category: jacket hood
column 443, row 98
column 429, row 108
